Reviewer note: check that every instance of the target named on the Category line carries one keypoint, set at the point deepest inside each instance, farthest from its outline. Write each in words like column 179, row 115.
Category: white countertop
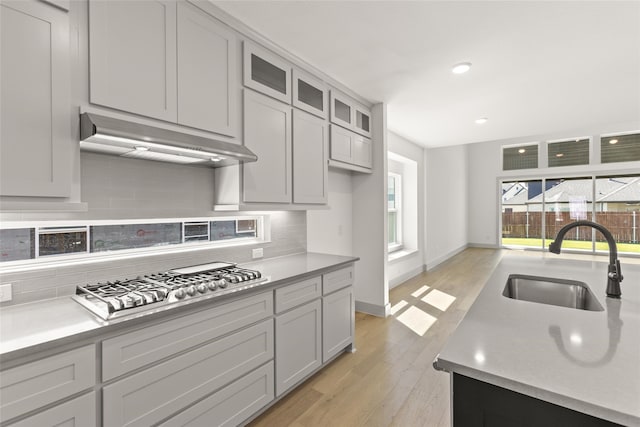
column 588, row 361
column 40, row 325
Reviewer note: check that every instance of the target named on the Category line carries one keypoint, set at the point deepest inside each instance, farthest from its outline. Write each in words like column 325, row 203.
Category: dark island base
column 479, row 404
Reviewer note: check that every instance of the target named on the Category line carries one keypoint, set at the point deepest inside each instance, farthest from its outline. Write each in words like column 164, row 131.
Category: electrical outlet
column 5, row 292
column 258, row 253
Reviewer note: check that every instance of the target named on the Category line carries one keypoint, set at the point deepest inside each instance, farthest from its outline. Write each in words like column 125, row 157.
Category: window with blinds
column 568, row 153
column 620, row 148
column 520, row 157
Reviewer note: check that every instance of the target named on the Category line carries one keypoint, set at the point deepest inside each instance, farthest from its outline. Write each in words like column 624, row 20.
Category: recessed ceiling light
column 613, row 141
column 559, row 155
column 461, row 68
column 141, row 148
column 481, row 120
column 522, row 150
column 215, row 159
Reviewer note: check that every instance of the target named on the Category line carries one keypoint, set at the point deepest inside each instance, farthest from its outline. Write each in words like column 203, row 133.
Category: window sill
column 394, row 256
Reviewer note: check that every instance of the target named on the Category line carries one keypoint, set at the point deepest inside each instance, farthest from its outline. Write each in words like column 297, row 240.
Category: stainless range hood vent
column 122, row 138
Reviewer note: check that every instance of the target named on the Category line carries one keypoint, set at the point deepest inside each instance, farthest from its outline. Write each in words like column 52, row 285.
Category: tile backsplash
column 118, row 188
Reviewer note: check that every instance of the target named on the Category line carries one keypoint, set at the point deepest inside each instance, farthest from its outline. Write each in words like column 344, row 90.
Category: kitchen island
column 217, row 360
column 585, row 361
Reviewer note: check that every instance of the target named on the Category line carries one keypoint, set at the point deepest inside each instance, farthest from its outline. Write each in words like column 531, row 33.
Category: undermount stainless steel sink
column 552, row 291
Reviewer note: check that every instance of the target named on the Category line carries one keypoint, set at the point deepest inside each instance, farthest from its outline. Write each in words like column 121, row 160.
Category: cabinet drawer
column 30, row 386
column 293, row 295
column 80, row 411
column 231, row 405
column 144, row 346
column 154, row 394
column 337, row 280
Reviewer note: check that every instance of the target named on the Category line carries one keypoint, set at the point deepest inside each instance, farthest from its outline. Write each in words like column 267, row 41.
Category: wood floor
column 389, row 380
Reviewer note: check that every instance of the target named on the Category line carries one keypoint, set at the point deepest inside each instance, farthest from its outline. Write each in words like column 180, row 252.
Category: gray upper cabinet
column 348, row 113
column 310, row 155
column 341, row 110
column 350, row 150
column 310, row 94
column 36, row 147
column 130, row 69
column 267, row 132
column 181, row 69
column 207, row 94
column 266, row 72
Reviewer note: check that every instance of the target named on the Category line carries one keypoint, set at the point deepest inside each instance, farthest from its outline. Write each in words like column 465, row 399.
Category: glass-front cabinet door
column 341, row 110
column 362, row 124
column 266, row 73
column 309, row 94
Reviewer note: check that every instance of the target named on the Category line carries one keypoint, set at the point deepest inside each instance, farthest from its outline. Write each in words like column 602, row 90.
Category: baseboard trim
column 431, row 264
column 483, row 246
column 373, row 309
column 406, row 276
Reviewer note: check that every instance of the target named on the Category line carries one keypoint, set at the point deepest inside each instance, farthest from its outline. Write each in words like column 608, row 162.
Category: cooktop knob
column 222, row 283
column 179, row 293
column 202, row 288
column 191, row 290
column 212, row 285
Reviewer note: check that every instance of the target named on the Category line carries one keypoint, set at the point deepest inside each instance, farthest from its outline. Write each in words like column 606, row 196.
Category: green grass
column 570, row 244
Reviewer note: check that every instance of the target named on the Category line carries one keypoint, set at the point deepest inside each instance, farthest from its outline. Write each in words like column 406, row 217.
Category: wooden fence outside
column 625, row 226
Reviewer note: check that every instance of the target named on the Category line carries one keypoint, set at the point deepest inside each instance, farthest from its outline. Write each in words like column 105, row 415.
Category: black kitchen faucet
column 614, row 276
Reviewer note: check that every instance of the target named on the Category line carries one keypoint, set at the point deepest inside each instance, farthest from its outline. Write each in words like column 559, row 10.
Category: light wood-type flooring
column 389, row 380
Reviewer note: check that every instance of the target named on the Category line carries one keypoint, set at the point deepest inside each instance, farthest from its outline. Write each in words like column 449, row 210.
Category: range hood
column 123, row 138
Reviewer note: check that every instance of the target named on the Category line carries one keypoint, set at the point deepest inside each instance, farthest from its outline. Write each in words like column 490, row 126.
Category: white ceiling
column 539, row 67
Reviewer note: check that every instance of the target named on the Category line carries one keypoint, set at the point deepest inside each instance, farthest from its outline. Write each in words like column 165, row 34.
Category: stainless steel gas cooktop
column 114, row 299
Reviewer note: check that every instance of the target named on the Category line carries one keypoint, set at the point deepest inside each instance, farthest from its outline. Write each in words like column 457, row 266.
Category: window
column 42, row 241
column 531, row 216
column 520, row 157
column 620, row 148
column 568, row 153
column 394, row 207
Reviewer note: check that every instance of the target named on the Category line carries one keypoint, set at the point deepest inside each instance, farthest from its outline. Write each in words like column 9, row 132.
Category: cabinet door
column 80, row 411
column 36, row 147
column 266, row 73
column 310, row 170
column 309, row 94
column 342, row 112
column 207, row 93
column 362, row 151
column 298, row 345
column 267, row 132
column 132, row 51
column 337, row 322
column 341, row 144
column 362, row 122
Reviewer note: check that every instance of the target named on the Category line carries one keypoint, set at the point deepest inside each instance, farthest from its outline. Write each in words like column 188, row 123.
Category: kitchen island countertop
column 588, row 361
column 38, row 326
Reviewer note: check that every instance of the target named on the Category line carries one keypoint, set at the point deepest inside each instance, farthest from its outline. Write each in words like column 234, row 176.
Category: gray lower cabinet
column 338, row 322
column 28, row 387
column 80, row 411
column 298, row 344
column 36, row 147
column 233, row 404
column 154, row 394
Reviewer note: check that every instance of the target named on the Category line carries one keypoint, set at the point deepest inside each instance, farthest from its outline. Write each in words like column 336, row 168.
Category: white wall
column 370, row 224
column 446, row 203
column 331, row 230
column 485, row 172
column 413, row 193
